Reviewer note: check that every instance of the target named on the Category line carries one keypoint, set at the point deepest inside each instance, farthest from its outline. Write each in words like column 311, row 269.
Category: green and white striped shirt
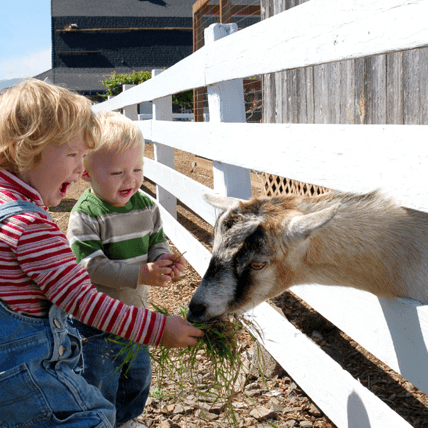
column 113, row 242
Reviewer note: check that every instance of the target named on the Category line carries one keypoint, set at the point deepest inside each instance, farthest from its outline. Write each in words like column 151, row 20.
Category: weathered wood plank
column 285, row 97
column 269, row 98
column 382, row 99
column 280, row 106
column 412, row 103
column 415, row 65
column 282, row 112
column 375, row 89
column 334, row 84
column 321, row 93
column 360, row 107
column 348, row 93
column 394, row 88
column 269, row 89
column 423, row 73
column 307, row 113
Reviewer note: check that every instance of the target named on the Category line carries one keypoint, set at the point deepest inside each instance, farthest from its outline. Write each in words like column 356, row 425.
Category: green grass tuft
column 218, row 348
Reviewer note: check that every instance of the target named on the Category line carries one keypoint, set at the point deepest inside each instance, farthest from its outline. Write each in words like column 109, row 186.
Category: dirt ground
column 278, row 399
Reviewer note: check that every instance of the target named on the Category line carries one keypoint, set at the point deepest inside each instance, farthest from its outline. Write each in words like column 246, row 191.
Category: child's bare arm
column 179, row 333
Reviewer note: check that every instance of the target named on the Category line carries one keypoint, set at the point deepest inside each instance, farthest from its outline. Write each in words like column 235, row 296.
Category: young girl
column 45, row 132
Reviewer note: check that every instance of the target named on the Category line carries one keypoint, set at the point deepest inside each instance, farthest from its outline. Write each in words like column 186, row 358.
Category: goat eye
column 258, row 266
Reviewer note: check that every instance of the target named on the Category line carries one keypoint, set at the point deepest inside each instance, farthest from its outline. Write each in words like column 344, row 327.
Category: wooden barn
column 91, row 39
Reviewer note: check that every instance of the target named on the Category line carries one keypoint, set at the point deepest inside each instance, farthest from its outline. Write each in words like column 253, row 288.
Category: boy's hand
column 179, row 333
column 156, row 273
column 178, row 263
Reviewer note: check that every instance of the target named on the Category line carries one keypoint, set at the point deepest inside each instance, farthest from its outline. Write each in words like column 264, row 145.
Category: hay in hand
column 218, row 351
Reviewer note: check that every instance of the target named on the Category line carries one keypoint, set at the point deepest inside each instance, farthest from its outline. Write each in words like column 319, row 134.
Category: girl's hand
column 177, row 265
column 179, row 333
column 156, row 273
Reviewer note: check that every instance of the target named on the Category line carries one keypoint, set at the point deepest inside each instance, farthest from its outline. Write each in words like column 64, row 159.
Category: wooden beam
column 198, row 39
column 241, row 9
column 97, row 30
column 198, row 42
column 210, row 9
column 225, row 11
column 78, row 52
column 199, row 5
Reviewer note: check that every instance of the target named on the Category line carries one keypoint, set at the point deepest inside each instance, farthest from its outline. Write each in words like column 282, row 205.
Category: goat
column 264, row 246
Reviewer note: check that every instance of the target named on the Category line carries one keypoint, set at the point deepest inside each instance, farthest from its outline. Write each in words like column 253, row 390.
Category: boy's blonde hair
column 35, row 114
column 118, row 133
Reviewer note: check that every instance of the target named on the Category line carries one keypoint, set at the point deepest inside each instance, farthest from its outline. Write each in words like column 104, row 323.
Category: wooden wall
column 381, row 89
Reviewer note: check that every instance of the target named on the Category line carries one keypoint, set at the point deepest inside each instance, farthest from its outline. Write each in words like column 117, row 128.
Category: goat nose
column 196, row 310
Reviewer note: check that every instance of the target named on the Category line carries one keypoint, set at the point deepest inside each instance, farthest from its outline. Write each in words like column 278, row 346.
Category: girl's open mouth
column 63, row 188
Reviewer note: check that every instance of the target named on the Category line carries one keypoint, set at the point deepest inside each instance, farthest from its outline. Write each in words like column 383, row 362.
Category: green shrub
column 115, row 82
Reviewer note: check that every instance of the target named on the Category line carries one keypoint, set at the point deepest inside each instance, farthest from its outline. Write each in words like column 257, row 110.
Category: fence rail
column 344, row 157
column 178, row 116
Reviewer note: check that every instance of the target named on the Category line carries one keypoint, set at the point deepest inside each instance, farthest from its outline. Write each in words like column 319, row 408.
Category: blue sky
column 25, row 38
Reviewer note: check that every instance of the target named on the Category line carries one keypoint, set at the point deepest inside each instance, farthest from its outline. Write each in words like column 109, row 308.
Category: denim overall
column 128, row 389
column 40, row 359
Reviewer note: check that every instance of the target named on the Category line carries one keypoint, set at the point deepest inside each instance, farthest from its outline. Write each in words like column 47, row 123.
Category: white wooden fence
column 345, row 157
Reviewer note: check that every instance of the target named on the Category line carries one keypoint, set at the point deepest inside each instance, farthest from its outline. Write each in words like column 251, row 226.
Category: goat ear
column 222, row 202
column 301, row 227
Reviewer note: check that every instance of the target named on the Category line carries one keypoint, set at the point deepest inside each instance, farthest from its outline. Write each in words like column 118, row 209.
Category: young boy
column 115, row 231
column 45, row 132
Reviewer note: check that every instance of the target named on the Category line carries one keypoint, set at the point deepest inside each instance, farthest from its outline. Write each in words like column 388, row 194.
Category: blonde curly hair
column 118, row 133
column 35, row 114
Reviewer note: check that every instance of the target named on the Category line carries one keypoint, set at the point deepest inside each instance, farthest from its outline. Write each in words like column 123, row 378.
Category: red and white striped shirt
column 38, row 268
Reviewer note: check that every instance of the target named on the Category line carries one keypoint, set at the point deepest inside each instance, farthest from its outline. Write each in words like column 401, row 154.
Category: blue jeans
column 40, row 384
column 128, row 392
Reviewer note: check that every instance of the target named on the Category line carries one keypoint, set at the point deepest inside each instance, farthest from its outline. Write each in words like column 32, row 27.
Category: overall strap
column 9, row 209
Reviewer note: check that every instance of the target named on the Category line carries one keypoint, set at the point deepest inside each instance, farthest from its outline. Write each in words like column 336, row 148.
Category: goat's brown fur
column 363, row 241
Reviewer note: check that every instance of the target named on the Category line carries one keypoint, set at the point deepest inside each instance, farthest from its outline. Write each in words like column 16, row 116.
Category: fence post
column 162, row 110
column 226, row 104
column 130, row 111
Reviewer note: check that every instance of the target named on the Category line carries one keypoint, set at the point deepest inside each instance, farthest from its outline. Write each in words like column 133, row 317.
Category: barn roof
column 85, row 80
column 88, row 80
column 146, row 8
column 45, row 75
